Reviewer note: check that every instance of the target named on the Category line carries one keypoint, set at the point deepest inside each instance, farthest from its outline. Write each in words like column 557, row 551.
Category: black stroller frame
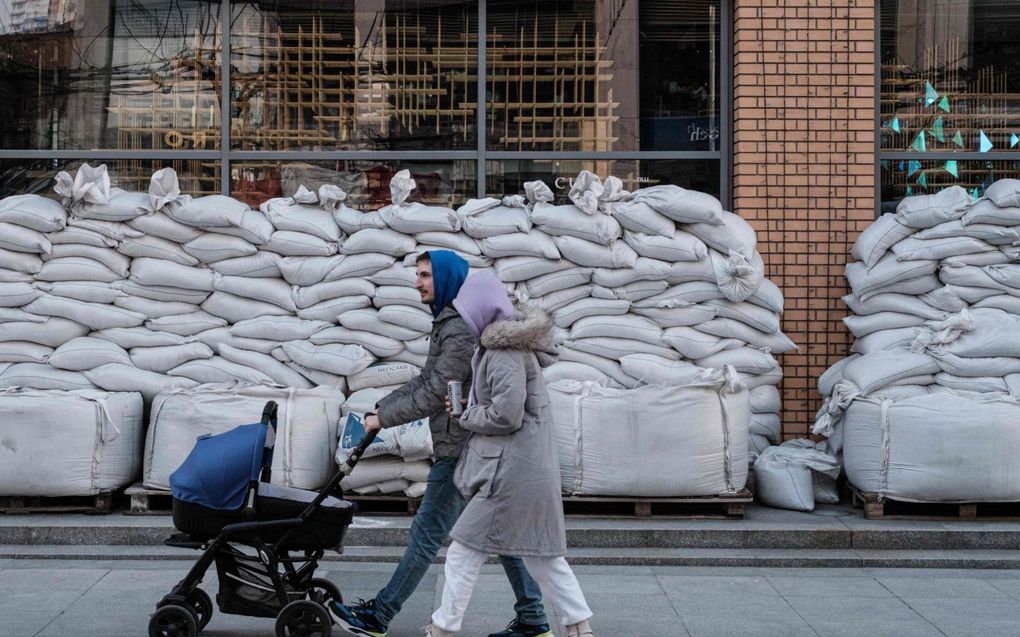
column 274, row 582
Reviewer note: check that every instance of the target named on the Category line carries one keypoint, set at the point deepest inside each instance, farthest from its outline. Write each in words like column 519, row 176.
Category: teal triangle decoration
column 936, row 130
column 919, row 144
column 986, row 144
column 958, row 139
column 895, row 124
column 923, row 180
column 1013, row 140
column 952, row 168
column 910, row 191
column 944, row 103
column 884, row 164
column 903, row 165
column 913, row 167
column 930, row 94
column 975, row 193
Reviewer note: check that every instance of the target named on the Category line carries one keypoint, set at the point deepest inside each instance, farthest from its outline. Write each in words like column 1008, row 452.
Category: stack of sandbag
column 306, row 432
column 68, row 443
column 653, row 440
column 925, row 407
column 397, row 461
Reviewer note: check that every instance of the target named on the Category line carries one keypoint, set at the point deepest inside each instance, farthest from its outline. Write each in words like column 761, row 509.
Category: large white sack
column 912, row 249
column 552, row 302
column 24, row 352
column 79, row 443
column 34, row 212
column 212, row 211
column 925, row 211
column 753, row 315
column 185, row 324
column 669, row 317
column 350, row 220
column 566, row 316
column 784, row 475
column 381, row 470
column 397, row 295
column 306, row 435
column 298, row 244
column 84, row 353
column 234, row 309
column 516, row 269
column 217, row 369
column 287, row 214
column 307, row 271
column 933, row 449
column 778, row 343
column 161, row 272
column 266, row 364
column 13, row 315
column 153, row 309
column 989, row 332
column 216, row 337
column 613, row 326
column 406, row 316
column 610, row 368
column 682, row 246
column 94, row 315
column 638, row 216
column 682, row 206
column 732, row 235
column 382, row 375
column 304, row 297
column 53, row 332
column 975, row 367
column 42, row 376
column 278, row 328
column 111, row 229
column 900, row 303
column 331, row 309
column 88, row 291
column 272, row 291
column 261, row 265
column 984, row 211
column 993, row 234
column 656, row 370
column 456, row 242
column 396, row 274
column 416, row 218
column 81, row 236
column 109, row 257
column 21, row 239
column 359, row 265
column 163, row 293
column 367, row 320
column 1004, row 193
column 693, row 344
column 644, row 269
column 378, row 241
column 556, row 281
column 585, row 253
column 76, row 269
column 156, row 248
column 122, row 206
column 570, row 221
column 342, row 360
column 874, row 242
column 886, row 272
column 128, row 378
column 163, row 359
column 20, row 261
column 616, row 348
column 861, row 326
column 163, row 227
column 746, row 360
column 902, row 338
column 520, row 244
column 495, row 221
column 212, row 247
column 651, row 441
column 872, row 372
column 131, row 337
column 682, row 295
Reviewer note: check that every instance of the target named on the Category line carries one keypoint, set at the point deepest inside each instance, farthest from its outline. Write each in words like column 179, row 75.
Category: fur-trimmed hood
column 530, row 329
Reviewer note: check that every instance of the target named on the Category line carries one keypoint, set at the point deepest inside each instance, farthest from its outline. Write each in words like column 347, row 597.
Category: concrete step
column 771, row 558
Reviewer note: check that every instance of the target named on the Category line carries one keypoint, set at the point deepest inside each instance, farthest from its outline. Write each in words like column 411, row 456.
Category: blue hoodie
column 448, row 274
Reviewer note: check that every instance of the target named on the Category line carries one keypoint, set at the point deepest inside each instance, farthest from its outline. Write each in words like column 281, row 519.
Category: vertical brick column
column 804, row 166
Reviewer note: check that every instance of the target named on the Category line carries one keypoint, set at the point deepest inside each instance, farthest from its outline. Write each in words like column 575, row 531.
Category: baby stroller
column 224, row 505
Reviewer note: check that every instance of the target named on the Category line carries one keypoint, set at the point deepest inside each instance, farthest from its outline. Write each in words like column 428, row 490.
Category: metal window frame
column 480, row 155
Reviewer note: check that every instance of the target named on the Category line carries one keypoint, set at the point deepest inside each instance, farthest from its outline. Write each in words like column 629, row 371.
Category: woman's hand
column 449, row 405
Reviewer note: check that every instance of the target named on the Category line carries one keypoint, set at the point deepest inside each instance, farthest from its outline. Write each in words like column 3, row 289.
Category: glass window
column 20, row 176
column 950, row 76
column 367, row 183
column 114, row 74
column 902, row 178
column 507, row 177
column 585, row 75
column 354, row 75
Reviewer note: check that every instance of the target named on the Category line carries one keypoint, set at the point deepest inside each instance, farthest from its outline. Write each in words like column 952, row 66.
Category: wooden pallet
column 701, row 507
column 384, row 504
column 144, row 501
column 879, row 508
column 99, row 504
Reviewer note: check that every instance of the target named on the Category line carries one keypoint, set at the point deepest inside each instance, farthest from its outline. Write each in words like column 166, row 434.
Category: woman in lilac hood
column 509, row 471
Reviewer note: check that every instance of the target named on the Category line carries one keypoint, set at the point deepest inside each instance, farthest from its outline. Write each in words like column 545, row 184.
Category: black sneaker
column 519, row 629
column 359, row 619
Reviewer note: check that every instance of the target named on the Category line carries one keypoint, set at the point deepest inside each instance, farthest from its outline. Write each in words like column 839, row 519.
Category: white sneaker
column 435, row 631
column 580, row 629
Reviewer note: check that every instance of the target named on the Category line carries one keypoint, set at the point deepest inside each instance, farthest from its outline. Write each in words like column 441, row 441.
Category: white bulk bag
column 306, row 435
column 933, row 448
column 651, row 441
column 79, row 443
column 83, row 353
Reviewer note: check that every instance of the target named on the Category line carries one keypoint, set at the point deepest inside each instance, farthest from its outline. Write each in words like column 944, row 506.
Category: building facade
column 806, row 117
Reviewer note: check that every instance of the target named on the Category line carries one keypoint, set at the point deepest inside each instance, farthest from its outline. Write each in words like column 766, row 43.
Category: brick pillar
column 804, row 166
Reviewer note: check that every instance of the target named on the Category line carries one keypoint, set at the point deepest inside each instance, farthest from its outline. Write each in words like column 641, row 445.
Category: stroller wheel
column 202, row 605
column 304, row 618
column 173, row 621
column 322, row 591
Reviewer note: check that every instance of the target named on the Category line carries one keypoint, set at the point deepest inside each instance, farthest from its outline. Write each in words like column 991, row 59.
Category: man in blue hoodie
column 440, row 274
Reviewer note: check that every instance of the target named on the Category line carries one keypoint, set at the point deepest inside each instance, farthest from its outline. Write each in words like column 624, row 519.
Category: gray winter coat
column 451, row 346
column 510, row 467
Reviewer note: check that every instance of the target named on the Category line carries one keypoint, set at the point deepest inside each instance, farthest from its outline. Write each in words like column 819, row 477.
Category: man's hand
column 372, row 423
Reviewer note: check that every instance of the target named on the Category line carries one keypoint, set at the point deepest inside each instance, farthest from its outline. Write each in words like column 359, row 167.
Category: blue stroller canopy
column 219, row 468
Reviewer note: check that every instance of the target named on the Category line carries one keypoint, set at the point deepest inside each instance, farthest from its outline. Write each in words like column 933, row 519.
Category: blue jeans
column 439, row 510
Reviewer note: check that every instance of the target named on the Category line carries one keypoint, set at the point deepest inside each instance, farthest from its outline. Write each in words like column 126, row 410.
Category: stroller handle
column 352, row 459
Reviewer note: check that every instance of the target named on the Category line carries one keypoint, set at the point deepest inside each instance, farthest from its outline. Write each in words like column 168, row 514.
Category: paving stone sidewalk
column 89, row 598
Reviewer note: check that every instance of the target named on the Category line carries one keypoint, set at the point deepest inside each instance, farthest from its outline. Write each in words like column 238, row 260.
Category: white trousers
column 463, row 564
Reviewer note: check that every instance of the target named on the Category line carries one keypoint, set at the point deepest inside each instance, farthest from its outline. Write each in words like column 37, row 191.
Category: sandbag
column 219, row 370
column 118, row 377
column 521, row 244
column 164, row 358
column 669, row 317
column 76, row 269
column 644, row 269
column 161, row 272
column 566, row 316
column 266, row 364
column 21, row 239
column 359, row 265
column 984, row 211
column 156, row 248
column 925, row 211
column 416, row 218
column 80, row 443
column 185, row 324
column 406, row 316
column 331, row 309
column 23, row 352
column 278, row 328
column 570, row 221
column 783, row 475
column 163, row 227
column 611, row 326
column 306, row 435
column 730, row 234
column 650, row 369
column 342, row 360
column 874, row 242
column 41, row 376
column 516, row 269
column 20, row 261
column 297, row 244
column 288, row 214
column 682, row 206
column 367, row 320
column 215, row 337
column 94, row 315
column 382, row 470
column 81, row 236
column 34, row 212
column 682, row 246
column 212, row 247
column 637, row 216
column 53, row 332
column 84, row 353
column 616, row 348
column 234, row 309
column 694, row 344
column 609, row 367
column 88, row 291
column 160, row 293
column 212, row 211
column 261, row 265
column 563, row 370
column 381, row 375
column 871, row 372
column 378, row 241
column 131, row 337
column 153, row 309
column 379, row 346
column 495, row 221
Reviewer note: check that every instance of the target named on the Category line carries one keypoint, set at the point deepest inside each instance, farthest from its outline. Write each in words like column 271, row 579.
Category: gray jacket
column 451, row 346
column 510, row 468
